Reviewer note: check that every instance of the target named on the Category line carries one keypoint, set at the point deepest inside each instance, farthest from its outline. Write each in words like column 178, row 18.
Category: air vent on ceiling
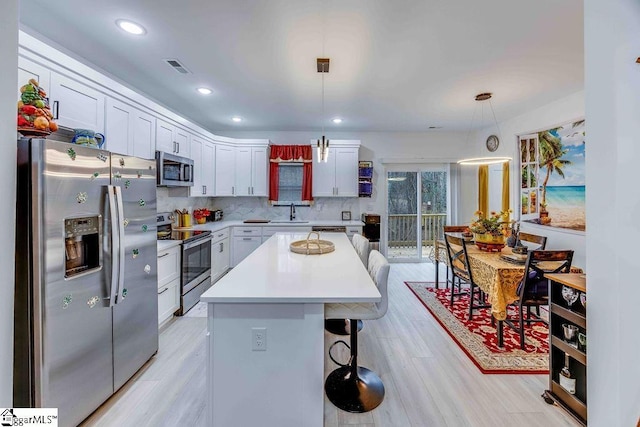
column 176, row 65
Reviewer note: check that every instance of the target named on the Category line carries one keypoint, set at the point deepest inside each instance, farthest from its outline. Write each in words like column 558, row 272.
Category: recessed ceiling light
column 131, row 27
column 204, row 90
column 337, row 120
column 236, row 119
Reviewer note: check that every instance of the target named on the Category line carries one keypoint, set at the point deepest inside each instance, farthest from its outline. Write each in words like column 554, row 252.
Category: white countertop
column 219, row 225
column 273, row 274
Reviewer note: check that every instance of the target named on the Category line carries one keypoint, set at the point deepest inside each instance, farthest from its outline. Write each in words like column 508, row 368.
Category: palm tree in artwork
column 551, row 151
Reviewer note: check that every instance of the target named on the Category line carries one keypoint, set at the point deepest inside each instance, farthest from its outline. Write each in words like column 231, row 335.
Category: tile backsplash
column 241, row 208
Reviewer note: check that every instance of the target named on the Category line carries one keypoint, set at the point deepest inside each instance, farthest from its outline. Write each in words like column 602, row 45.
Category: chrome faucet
column 292, row 212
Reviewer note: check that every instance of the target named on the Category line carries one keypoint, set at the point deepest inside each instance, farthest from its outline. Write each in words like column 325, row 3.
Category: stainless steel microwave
column 173, row 171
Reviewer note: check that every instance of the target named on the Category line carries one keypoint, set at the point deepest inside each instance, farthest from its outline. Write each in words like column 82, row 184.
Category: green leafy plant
column 493, row 224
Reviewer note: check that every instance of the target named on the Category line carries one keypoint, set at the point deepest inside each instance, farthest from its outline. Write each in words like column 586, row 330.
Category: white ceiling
column 399, row 65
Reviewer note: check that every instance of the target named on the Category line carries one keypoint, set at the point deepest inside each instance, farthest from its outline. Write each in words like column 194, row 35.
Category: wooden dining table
column 496, row 277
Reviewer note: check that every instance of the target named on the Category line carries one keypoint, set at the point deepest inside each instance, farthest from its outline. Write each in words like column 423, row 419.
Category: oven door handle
column 197, row 242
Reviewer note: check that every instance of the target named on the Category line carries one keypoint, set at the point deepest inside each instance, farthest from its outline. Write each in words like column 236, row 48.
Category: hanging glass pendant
column 323, row 150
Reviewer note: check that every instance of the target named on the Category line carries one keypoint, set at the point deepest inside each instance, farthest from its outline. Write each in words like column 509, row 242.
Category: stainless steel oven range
column 195, row 274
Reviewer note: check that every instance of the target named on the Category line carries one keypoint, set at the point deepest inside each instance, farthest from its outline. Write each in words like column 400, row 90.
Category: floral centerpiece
column 201, row 215
column 490, row 229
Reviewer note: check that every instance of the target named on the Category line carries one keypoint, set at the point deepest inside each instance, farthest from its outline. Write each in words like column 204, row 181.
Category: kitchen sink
column 288, row 222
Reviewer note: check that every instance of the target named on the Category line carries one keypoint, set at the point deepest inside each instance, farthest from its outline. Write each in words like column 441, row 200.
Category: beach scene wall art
column 561, row 174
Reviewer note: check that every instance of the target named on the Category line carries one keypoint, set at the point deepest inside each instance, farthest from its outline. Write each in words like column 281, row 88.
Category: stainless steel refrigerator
column 86, row 308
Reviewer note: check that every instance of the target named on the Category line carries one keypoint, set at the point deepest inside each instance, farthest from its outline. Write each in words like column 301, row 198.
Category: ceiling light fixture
column 236, row 119
column 489, row 160
column 337, row 120
column 323, row 145
column 131, row 27
column 204, row 90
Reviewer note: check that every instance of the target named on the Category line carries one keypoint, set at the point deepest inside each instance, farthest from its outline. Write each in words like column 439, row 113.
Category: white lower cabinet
column 245, row 241
column 168, row 300
column 220, row 254
column 351, row 230
column 168, row 282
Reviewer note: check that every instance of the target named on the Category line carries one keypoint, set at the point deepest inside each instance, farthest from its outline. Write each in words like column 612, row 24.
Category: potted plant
column 489, row 229
column 201, row 215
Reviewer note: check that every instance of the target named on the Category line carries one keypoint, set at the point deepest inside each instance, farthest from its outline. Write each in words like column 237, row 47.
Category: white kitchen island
column 266, row 331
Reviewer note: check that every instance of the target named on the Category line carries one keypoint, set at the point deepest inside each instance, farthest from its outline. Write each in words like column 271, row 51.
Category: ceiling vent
column 176, row 65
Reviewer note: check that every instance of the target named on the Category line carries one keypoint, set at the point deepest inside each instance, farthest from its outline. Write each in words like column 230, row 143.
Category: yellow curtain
column 505, row 188
column 483, row 190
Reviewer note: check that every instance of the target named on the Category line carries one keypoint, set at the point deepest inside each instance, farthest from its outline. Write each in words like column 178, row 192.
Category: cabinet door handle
column 246, row 238
column 163, row 291
column 337, row 191
column 178, row 147
column 56, row 109
column 174, row 147
column 204, row 190
column 246, row 231
column 221, row 247
column 163, row 255
column 221, row 234
column 233, row 190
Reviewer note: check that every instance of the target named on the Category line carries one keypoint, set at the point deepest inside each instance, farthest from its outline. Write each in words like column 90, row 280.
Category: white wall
column 8, row 82
column 558, row 112
column 612, row 87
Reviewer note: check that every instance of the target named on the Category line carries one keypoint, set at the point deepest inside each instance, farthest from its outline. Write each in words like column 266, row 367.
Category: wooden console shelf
column 561, row 313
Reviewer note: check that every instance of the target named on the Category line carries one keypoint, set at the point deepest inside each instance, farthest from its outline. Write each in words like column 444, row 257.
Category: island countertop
column 274, row 274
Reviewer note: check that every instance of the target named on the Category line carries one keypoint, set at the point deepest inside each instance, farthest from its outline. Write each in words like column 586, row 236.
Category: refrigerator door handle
column 121, row 247
column 115, row 261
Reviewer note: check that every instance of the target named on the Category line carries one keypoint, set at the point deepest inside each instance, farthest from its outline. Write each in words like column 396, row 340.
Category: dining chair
column 533, row 238
column 451, row 229
column 351, row 387
column 533, row 290
column 341, row 326
column 461, row 270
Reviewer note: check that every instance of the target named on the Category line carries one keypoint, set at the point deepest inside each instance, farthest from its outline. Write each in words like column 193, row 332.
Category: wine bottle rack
column 562, row 313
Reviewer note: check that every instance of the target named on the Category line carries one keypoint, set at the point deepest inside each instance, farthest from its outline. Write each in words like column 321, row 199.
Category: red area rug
column 478, row 339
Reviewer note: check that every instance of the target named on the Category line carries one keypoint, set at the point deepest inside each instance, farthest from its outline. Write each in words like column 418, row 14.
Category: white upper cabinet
column 251, row 170
column 338, row 177
column 260, row 172
column 144, row 135
column 76, row 105
column 172, row 139
column 203, row 153
column 164, row 137
column 30, row 70
column 129, row 130
column 243, row 171
column 225, row 175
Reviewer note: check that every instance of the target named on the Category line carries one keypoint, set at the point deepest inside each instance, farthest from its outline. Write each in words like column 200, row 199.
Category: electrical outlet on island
column 258, row 339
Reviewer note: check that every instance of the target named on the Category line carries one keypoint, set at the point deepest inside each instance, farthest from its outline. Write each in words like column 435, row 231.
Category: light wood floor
column 428, row 380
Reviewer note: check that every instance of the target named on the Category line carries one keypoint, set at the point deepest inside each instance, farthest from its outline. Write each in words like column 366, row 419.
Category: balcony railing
column 402, row 229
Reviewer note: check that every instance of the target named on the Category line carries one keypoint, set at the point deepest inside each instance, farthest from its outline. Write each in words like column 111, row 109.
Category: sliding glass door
column 417, row 208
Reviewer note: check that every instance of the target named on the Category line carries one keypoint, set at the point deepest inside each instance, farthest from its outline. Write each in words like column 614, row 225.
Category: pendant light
column 323, row 145
column 487, row 160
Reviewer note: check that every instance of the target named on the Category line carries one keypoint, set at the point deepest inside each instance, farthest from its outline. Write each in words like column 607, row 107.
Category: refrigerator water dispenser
column 82, row 245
